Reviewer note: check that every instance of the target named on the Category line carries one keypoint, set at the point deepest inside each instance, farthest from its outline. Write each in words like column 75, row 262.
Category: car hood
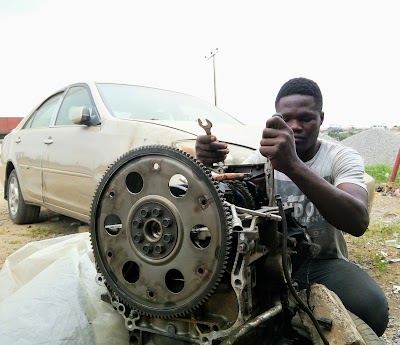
column 240, row 134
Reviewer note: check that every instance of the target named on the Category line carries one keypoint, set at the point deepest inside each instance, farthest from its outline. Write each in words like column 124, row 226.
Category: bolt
column 145, row 212
column 157, row 212
column 166, row 222
column 138, row 237
column 168, row 237
column 137, row 223
column 242, row 247
column 159, row 248
column 147, row 248
column 171, row 329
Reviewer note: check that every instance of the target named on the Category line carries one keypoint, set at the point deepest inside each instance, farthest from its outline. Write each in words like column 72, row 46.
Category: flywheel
column 160, row 231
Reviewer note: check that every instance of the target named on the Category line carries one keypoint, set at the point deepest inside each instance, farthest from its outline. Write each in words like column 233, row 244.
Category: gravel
column 395, row 336
column 376, row 146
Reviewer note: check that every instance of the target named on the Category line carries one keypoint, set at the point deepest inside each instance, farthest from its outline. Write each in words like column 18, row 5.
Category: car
column 59, row 152
column 57, row 155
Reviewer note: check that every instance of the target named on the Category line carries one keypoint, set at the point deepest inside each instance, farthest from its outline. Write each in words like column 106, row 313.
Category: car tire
column 19, row 211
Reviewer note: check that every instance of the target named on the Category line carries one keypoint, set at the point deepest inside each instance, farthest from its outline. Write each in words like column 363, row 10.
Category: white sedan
column 58, row 153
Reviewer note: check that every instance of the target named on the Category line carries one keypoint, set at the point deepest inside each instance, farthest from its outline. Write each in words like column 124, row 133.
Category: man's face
column 300, row 115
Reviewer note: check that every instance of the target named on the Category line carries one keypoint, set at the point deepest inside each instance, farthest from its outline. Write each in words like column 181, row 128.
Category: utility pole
column 212, row 55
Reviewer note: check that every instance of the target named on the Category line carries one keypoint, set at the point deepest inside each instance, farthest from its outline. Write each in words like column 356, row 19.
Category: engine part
column 160, row 232
column 188, row 260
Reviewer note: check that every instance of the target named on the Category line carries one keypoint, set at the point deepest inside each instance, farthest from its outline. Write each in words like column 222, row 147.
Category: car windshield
column 145, row 103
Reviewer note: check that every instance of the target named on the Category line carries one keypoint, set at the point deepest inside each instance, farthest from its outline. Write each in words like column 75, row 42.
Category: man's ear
column 322, row 116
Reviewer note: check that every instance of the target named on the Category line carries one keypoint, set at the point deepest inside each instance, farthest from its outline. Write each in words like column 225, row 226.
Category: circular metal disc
column 159, row 231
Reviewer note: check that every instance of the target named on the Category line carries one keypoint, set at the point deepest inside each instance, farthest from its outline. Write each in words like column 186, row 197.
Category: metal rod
column 249, row 325
column 395, row 168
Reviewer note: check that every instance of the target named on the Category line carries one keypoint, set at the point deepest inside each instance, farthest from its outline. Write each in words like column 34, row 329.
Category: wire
column 287, row 275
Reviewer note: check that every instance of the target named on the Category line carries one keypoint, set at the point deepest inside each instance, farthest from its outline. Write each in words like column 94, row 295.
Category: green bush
column 381, row 173
column 340, row 135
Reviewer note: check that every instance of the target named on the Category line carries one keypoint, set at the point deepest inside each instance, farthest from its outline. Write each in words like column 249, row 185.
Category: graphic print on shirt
column 306, row 214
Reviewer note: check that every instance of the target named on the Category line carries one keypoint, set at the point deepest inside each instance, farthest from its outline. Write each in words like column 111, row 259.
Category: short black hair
column 301, row 86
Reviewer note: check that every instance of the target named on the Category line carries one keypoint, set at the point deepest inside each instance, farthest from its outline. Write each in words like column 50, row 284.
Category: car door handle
column 18, row 140
column 48, row 141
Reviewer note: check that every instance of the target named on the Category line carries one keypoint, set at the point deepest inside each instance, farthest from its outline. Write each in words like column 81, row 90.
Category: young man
column 324, row 182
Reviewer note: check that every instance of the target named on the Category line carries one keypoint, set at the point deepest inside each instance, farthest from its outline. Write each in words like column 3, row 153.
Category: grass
column 377, row 233
column 44, row 231
column 14, row 242
column 381, row 173
column 383, row 231
column 378, row 260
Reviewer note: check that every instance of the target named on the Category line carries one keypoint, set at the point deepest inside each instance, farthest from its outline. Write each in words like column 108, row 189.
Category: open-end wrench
column 206, row 127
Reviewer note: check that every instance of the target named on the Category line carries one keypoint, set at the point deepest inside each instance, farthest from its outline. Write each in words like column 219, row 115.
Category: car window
column 42, row 116
column 76, row 97
column 144, row 103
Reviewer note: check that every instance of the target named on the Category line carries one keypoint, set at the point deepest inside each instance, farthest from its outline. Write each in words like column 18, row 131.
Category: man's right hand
column 209, row 150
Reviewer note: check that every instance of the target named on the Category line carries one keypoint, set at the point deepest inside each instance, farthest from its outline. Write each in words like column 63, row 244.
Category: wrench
column 206, row 127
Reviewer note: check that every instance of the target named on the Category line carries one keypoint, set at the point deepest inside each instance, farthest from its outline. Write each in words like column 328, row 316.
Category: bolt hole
column 153, row 230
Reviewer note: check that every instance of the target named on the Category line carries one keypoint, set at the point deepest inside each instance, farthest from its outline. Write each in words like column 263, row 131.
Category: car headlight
column 237, row 154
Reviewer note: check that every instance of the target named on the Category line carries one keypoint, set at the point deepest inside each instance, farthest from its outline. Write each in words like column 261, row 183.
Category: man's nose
column 295, row 125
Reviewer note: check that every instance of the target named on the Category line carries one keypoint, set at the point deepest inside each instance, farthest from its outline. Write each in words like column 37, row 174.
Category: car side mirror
column 82, row 116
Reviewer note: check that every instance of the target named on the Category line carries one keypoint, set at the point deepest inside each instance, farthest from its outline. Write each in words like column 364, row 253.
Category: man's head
column 301, row 86
column 300, row 102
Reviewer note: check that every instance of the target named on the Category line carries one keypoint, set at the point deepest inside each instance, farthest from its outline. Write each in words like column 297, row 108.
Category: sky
column 349, row 47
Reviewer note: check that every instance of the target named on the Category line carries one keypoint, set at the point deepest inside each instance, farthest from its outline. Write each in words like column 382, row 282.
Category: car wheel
column 19, row 211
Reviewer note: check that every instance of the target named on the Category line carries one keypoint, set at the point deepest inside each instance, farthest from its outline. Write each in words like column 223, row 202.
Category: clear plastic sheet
column 48, row 295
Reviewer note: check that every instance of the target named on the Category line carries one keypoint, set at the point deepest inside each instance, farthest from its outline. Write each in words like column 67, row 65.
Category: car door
column 70, row 155
column 29, row 144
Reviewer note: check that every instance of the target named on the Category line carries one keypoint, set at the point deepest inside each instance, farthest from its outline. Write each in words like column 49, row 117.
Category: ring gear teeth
column 244, row 191
column 146, row 282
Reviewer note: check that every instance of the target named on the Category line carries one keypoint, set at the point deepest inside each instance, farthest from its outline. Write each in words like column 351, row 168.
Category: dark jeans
column 358, row 291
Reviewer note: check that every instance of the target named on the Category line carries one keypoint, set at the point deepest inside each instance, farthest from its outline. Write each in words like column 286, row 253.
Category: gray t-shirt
column 336, row 164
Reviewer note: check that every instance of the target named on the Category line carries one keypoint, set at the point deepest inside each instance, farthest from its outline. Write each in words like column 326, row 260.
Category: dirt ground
column 385, row 209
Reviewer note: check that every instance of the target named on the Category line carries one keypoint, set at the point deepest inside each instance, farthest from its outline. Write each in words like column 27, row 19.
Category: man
column 324, row 182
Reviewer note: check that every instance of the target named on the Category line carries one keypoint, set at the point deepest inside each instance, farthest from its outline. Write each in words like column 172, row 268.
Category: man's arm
column 344, row 206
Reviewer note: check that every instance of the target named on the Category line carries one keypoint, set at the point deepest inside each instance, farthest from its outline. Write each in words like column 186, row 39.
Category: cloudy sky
column 349, row 47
